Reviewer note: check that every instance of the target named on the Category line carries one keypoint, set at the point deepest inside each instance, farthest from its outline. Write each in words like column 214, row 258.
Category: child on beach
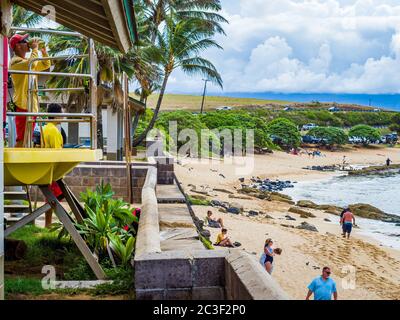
column 269, row 255
column 223, row 240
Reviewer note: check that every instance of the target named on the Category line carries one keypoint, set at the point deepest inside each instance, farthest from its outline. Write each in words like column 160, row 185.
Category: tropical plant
column 284, row 133
column 107, row 220
column 123, row 250
column 366, row 133
column 330, row 135
column 25, row 18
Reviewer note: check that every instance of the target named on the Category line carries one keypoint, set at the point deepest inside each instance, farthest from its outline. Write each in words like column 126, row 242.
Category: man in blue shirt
column 323, row 287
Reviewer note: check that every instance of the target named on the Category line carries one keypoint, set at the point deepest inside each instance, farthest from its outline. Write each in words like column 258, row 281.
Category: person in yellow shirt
column 52, row 139
column 223, row 240
column 19, row 62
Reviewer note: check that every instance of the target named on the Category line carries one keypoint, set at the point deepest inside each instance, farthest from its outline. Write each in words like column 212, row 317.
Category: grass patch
column 44, row 248
column 191, row 102
column 198, row 202
column 23, row 286
column 207, row 243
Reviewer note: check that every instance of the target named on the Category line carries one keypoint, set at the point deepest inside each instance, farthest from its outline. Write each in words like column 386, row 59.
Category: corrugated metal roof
column 111, row 22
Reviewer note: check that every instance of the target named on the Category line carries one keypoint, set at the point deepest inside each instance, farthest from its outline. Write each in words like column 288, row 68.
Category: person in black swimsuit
column 269, row 255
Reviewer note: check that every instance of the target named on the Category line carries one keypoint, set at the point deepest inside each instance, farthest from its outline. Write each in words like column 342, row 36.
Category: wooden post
column 128, row 144
column 93, row 91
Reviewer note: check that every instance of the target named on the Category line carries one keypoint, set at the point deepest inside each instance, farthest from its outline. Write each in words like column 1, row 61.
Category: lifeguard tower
column 111, row 22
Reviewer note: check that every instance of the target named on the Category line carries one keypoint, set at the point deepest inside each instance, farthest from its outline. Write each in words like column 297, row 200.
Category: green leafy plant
column 123, row 250
column 104, row 228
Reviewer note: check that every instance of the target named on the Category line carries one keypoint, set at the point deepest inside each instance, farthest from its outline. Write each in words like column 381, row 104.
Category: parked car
column 309, row 126
column 310, row 139
column 355, row 140
column 288, row 109
column 334, row 109
column 389, row 138
column 224, row 108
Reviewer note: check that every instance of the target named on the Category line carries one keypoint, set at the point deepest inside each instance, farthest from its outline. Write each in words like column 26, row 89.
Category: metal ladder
column 13, row 212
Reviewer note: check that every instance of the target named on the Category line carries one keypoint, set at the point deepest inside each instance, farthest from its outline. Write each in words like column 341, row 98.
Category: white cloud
column 341, row 46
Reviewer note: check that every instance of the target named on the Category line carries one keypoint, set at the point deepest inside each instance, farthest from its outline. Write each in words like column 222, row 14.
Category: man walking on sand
column 348, row 221
column 323, row 287
column 20, row 47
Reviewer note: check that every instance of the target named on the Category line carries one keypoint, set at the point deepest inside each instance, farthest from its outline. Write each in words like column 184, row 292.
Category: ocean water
column 382, row 192
column 387, row 101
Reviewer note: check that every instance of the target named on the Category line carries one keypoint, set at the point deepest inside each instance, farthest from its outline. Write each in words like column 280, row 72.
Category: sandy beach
column 304, row 252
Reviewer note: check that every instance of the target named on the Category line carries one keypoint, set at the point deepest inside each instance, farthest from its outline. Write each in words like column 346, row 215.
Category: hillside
column 193, row 103
column 173, row 102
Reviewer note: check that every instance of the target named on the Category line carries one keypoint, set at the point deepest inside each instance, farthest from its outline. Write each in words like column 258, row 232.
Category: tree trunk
column 100, row 141
column 143, row 136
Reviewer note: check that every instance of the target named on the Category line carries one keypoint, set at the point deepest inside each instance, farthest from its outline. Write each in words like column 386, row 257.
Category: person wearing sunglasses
column 20, row 46
column 323, row 287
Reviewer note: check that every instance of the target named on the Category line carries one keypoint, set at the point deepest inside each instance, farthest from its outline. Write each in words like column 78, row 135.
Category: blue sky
column 310, row 46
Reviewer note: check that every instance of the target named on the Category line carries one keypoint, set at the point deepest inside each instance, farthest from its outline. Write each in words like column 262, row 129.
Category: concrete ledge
column 179, row 275
column 148, row 237
column 246, row 279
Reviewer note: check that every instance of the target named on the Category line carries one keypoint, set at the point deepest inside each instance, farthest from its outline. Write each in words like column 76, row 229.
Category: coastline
column 303, row 251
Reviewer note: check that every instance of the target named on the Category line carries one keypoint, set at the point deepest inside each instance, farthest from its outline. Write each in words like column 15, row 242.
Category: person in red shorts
column 19, row 62
column 53, row 139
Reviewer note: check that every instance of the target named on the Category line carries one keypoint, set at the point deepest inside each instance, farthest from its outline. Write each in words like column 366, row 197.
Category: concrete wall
column 203, row 275
column 89, row 175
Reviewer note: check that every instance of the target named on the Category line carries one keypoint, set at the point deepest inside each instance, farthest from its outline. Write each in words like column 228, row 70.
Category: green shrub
column 333, row 136
column 367, row 133
column 285, row 132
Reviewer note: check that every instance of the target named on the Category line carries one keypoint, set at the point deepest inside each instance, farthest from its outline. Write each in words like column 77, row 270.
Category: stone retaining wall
column 203, row 275
column 176, row 275
column 89, row 175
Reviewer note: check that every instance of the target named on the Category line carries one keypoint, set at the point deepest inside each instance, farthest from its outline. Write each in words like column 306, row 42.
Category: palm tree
column 25, row 18
column 204, row 10
column 178, row 45
column 111, row 65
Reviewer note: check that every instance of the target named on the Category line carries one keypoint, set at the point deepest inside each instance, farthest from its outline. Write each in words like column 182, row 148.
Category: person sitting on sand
column 347, row 221
column 223, row 240
column 214, row 223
